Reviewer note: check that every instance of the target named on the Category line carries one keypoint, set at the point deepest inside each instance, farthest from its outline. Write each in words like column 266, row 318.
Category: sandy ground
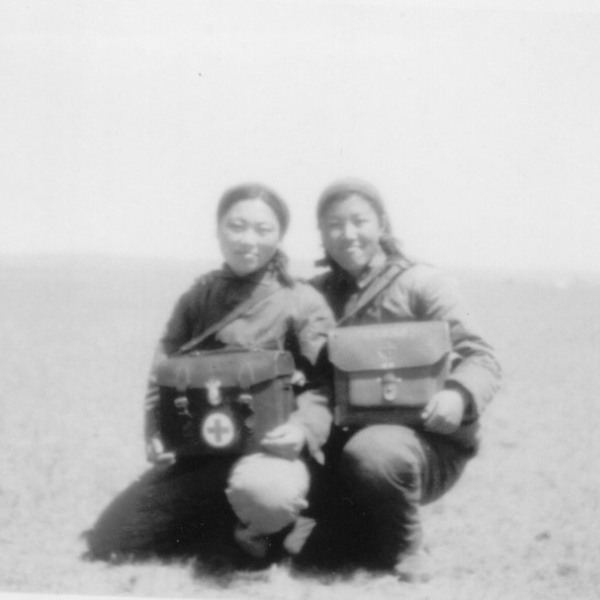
column 77, row 338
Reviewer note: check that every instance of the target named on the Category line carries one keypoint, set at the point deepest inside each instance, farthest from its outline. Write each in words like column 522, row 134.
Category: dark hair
column 257, row 191
column 343, row 189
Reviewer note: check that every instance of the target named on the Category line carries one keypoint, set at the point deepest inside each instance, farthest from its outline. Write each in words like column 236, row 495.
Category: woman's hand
column 285, row 441
column 444, row 413
column 156, row 454
column 298, row 378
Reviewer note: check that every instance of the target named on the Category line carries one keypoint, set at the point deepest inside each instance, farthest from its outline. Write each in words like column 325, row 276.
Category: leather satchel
column 223, row 402
column 387, row 373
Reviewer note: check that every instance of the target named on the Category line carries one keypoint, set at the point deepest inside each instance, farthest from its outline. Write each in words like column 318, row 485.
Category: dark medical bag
column 387, row 373
column 223, row 401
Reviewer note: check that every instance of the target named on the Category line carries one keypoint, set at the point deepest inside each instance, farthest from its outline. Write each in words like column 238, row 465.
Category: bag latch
column 213, row 391
column 389, row 387
column 182, row 404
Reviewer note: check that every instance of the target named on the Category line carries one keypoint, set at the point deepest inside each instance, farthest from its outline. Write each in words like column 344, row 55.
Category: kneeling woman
column 181, row 506
column 386, row 471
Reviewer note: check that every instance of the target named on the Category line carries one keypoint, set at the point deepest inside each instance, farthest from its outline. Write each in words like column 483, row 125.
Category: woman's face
column 249, row 235
column 351, row 230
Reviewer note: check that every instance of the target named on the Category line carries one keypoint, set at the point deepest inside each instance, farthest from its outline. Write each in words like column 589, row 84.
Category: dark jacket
column 422, row 293
column 293, row 318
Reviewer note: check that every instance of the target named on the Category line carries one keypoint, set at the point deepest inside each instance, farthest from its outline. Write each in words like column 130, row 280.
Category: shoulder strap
column 239, row 310
column 382, row 283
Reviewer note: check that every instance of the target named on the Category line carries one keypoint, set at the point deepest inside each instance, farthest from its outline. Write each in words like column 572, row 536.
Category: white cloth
column 267, row 492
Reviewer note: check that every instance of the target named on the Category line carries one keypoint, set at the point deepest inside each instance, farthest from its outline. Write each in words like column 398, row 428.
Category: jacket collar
column 264, row 274
column 371, row 271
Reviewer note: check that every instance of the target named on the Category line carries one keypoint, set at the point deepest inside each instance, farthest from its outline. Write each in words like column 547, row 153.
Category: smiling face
column 249, row 235
column 351, row 231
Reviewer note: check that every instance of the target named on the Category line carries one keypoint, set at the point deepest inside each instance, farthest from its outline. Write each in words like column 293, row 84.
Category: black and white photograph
column 300, row 299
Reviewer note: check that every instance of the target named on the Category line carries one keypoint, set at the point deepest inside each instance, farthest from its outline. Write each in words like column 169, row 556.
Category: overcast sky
column 122, row 122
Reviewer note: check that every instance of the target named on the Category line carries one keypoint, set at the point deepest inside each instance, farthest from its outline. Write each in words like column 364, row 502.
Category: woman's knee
column 267, row 492
column 383, row 452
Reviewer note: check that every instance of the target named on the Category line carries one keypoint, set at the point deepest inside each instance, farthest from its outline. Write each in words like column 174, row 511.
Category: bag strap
column 384, row 281
column 239, row 310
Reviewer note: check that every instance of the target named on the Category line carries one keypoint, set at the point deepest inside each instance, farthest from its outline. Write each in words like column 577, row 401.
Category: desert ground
column 77, row 335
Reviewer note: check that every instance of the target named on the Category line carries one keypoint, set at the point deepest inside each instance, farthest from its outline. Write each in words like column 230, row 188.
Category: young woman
column 183, row 506
column 384, row 472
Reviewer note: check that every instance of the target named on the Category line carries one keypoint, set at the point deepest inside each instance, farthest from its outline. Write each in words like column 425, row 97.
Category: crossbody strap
column 386, row 279
column 239, row 310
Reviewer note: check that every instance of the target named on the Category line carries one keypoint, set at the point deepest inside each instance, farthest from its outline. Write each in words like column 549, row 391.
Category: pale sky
column 122, row 122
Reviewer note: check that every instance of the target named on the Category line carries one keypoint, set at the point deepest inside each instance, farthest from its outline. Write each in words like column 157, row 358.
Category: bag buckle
column 182, row 404
column 389, row 387
column 213, row 391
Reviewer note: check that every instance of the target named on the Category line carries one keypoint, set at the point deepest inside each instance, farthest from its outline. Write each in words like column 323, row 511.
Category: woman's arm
column 175, row 334
column 475, row 372
column 313, row 417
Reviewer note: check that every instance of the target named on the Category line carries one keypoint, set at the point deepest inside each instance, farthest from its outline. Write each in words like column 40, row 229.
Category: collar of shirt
column 263, row 275
column 372, row 270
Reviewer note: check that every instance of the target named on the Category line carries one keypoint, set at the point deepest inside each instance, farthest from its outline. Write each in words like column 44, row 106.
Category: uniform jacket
column 422, row 293
column 292, row 318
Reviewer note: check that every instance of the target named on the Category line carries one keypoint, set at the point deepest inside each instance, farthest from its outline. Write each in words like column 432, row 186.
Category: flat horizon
column 302, row 267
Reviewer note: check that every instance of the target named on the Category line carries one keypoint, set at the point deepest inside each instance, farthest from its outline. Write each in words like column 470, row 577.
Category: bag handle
column 240, row 309
column 388, row 277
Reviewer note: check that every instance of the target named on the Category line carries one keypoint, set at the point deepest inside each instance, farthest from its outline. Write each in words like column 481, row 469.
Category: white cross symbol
column 218, row 430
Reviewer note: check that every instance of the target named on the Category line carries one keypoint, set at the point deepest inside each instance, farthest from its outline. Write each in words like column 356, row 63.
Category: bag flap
column 237, row 368
column 389, row 345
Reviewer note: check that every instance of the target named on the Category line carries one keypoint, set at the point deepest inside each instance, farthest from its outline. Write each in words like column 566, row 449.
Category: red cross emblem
column 218, row 430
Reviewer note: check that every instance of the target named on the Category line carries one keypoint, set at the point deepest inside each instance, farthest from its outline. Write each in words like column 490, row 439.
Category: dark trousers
column 366, row 501
column 169, row 511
